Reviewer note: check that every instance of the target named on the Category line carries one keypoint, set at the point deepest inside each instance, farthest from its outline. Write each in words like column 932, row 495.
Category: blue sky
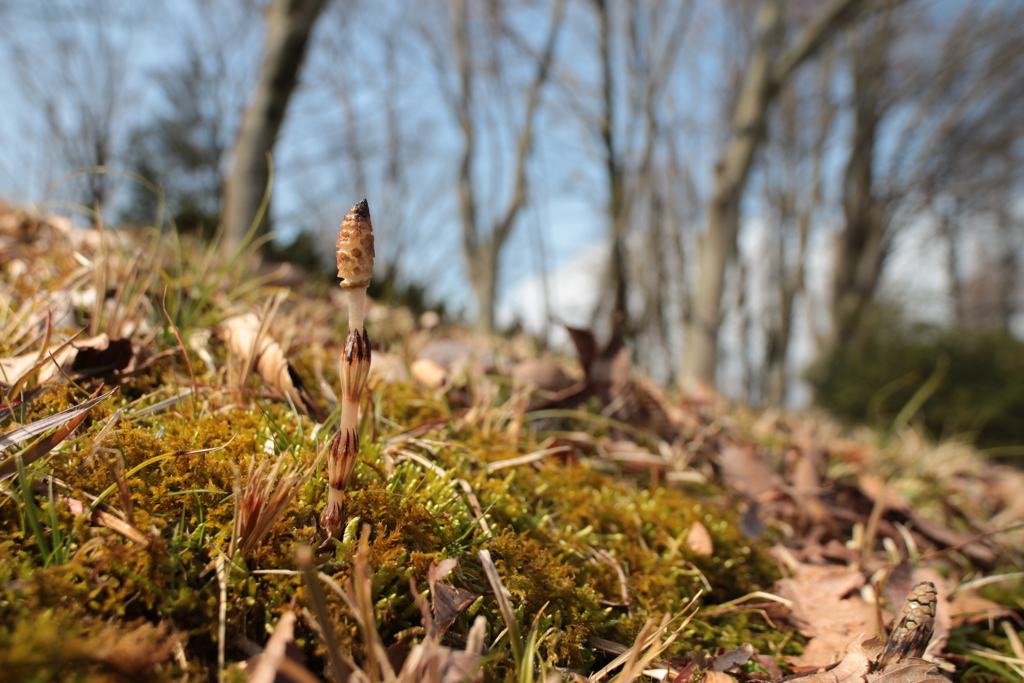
column 353, row 71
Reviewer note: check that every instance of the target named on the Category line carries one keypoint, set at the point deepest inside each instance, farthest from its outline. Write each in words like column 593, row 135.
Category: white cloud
column 573, row 288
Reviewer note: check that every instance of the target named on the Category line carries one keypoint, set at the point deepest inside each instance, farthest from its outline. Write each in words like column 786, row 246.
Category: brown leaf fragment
column 744, row 471
column 586, row 346
column 874, row 488
column 822, row 611
column 100, row 518
column 970, row 608
column 76, row 358
column 769, row 664
column 448, row 602
column 718, row 677
column 909, row 671
column 805, row 472
column 852, row 668
column 733, row 658
column 699, row 541
column 439, row 570
column 609, row 377
column 101, row 355
column 542, row 374
column 428, row 373
column 897, row 660
column 687, row 666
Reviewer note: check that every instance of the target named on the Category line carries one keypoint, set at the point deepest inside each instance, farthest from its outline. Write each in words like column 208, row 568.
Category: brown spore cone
column 355, row 248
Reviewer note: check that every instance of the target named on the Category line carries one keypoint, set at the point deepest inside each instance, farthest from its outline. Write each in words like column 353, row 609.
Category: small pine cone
column 355, row 248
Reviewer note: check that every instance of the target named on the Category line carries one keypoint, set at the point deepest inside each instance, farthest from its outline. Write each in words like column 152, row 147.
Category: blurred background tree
column 737, row 186
column 961, row 377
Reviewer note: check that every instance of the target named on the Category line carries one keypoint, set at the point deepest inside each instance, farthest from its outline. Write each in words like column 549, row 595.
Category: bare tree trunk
column 288, row 25
column 482, row 249
column 1009, row 266
column 619, row 269
column 791, row 284
column 78, row 85
column 700, row 353
column 948, row 219
column 765, row 73
column 629, row 130
column 863, row 245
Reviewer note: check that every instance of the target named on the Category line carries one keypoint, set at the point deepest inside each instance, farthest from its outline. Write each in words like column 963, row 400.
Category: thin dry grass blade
column 275, row 659
column 68, row 420
column 104, row 519
column 504, row 604
column 650, row 643
column 361, row 588
column 304, row 558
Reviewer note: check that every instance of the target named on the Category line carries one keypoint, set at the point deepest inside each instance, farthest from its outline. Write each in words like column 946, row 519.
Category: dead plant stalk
column 355, row 268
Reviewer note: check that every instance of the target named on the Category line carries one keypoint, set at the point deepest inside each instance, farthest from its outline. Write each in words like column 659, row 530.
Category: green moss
column 560, row 532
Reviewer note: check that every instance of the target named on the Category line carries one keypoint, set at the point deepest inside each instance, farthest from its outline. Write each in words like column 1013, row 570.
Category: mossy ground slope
column 589, row 548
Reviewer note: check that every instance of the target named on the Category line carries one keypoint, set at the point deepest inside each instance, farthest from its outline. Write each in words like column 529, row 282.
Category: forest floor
column 513, row 515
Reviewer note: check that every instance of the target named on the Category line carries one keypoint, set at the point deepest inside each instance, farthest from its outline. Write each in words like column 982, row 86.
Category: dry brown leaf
column 633, row 456
column 429, row 373
column 542, row 374
column 586, row 346
column 853, row 668
column 769, row 664
column 252, row 347
column 970, row 608
column 908, row 671
column 460, row 357
column 805, row 472
column 733, row 658
column 718, row 677
column 822, row 611
column 895, row 660
column 675, row 416
column 608, row 375
column 100, row 518
column 873, row 488
column 82, row 357
column 747, row 473
column 699, row 540
column 387, row 368
column 448, row 602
